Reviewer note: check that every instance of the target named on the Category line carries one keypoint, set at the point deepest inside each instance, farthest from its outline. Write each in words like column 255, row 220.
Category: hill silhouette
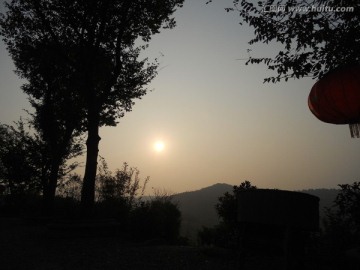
column 198, row 207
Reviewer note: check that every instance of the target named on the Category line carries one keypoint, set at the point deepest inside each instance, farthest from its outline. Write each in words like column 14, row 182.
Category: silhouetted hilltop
column 198, row 207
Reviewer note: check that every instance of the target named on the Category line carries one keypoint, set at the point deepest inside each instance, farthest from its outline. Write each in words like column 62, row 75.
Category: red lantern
column 336, row 98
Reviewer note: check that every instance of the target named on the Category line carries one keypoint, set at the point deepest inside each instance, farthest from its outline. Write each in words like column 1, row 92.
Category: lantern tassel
column 355, row 130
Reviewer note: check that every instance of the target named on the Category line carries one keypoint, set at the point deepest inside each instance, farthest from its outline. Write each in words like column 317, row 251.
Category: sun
column 159, row 146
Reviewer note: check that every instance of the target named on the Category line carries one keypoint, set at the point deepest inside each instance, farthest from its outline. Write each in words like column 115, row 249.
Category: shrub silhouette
column 118, row 193
column 159, row 218
column 124, row 184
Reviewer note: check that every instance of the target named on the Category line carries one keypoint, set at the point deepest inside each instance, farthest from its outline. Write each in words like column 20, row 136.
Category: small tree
column 227, row 206
column 342, row 222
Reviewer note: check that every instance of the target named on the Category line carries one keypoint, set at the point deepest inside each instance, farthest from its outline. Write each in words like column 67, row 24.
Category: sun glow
column 159, row 146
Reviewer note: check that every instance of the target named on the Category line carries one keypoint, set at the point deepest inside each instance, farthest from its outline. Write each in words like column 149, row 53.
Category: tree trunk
column 92, row 146
column 50, row 188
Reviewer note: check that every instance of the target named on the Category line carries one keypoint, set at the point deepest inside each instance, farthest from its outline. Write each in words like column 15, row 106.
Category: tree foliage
column 25, row 159
column 315, row 36
column 227, row 206
column 342, row 222
column 20, row 160
column 348, row 202
column 55, row 121
column 33, row 158
column 26, row 168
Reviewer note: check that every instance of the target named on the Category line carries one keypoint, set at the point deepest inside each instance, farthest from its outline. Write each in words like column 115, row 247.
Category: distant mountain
column 198, row 207
column 327, row 197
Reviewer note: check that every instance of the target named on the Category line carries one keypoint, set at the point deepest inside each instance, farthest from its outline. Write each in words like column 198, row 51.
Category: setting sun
column 159, row 146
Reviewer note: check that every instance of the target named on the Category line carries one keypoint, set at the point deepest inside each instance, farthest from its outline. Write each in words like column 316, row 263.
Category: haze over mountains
column 198, row 207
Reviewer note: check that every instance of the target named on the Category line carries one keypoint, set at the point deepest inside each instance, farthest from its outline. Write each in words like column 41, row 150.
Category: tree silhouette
column 96, row 46
column 59, row 114
column 26, row 161
column 317, row 35
column 226, row 208
column 61, row 141
column 19, row 170
column 58, row 111
column 342, row 222
column 228, row 232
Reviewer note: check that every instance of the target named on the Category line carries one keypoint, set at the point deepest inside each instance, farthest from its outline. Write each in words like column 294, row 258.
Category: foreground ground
column 28, row 245
column 33, row 246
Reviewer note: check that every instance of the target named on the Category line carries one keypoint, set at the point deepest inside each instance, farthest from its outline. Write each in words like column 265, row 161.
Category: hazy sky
column 217, row 119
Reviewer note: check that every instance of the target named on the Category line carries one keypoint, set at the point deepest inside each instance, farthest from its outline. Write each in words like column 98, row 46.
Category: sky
column 217, row 120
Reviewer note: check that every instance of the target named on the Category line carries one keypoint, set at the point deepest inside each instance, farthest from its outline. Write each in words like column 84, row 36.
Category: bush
column 156, row 219
column 70, row 187
column 221, row 236
column 14, row 205
column 124, row 184
column 31, row 206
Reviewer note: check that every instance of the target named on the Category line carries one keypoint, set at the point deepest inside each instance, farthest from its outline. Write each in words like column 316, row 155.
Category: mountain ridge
column 198, row 206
